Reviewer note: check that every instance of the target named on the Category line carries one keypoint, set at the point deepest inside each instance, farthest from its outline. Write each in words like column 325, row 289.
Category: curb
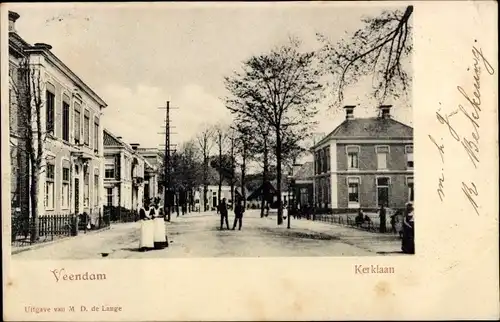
column 45, row 244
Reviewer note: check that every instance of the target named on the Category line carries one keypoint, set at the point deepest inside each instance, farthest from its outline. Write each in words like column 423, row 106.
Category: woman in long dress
column 408, row 243
column 146, row 241
column 160, row 240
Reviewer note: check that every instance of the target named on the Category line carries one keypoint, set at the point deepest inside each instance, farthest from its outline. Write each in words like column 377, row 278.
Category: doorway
column 383, row 192
column 77, row 196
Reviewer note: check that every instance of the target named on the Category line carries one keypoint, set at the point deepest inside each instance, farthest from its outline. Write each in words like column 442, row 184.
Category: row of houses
column 83, row 166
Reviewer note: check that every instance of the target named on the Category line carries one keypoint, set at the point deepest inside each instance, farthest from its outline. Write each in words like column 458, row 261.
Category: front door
column 77, row 196
column 383, row 191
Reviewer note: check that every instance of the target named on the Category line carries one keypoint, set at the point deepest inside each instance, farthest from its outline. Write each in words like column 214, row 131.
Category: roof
column 305, row 172
column 370, row 128
column 111, row 140
column 270, row 187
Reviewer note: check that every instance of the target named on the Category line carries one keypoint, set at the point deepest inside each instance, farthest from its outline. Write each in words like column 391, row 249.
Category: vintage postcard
column 250, row 161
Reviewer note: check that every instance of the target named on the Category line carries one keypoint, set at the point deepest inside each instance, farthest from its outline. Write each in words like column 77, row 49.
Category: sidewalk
column 373, row 242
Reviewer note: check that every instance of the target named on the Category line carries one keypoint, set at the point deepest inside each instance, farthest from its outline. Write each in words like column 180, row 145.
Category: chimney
column 13, row 16
column 134, row 146
column 385, row 111
column 349, row 112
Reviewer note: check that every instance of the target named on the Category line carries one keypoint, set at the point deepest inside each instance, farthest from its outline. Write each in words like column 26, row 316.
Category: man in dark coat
column 223, row 213
column 238, row 214
column 382, row 214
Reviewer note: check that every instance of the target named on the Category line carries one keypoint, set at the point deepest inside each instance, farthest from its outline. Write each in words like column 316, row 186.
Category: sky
column 137, row 56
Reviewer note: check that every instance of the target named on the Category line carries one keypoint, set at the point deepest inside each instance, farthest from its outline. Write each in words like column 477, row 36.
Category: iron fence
column 26, row 231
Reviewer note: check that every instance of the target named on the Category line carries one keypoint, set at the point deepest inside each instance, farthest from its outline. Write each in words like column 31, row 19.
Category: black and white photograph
column 141, row 133
column 249, row 161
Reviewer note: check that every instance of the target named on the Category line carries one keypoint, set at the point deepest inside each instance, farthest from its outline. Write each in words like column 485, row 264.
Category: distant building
column 71, row 178
column 153, row 188
column 365, row 162
column 124, row 172
column 303, row 188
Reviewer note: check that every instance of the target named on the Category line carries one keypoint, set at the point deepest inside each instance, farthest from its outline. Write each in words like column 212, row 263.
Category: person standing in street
column 160, row 240
column 238, row 215
column 222, row 209
column 408, row 242
column 382, row 215
column 146, row 241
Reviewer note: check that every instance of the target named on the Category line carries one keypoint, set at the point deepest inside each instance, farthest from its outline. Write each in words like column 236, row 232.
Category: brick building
column 364, row 162
column 70, row 180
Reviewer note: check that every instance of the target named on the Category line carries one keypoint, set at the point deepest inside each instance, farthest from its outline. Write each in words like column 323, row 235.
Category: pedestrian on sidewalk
column 222, row 209
column 146, row 241
column 238, row 214
column 160, row 240
column 408, row 242
column 382, row 215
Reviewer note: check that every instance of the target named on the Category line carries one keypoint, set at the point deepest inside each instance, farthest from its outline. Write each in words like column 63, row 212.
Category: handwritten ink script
column 470, row 108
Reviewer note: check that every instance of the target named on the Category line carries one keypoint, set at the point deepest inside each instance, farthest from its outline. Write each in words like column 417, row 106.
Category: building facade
column 70, row 178
column 152, row 164
column 124, row 172
column 364, row 163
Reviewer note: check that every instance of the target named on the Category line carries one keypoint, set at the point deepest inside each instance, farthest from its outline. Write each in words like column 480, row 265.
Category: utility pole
column 167, row 182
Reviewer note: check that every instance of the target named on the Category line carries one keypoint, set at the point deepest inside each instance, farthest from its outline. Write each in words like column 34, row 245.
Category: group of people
column 407, row 231
column 239, row 209
column 153, row 234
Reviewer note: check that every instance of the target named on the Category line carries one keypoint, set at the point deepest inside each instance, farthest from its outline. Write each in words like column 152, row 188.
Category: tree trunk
column 34, row 204
column 264, row 179
column 205, row 178
column 220, row 171
column 243, row 165
column 278, row 175
column 232, row 172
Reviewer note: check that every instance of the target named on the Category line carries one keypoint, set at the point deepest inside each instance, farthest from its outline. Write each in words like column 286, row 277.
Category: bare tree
column 220, row 133
column 26, row 83
column 280, row 88
column 377, row 49
column 206, row 143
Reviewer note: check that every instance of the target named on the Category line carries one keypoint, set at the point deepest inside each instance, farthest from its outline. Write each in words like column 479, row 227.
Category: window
column 50, row 100
column 78, row 120
column 86, row 128
column 49, row 187
column 96, row 134
column 383, row 191
column 65, row 189
column 96, row 190
column 409, row 156
column 316, row 163
column 321, row 161
column 411, row 190
column 353, row 157
column 327, row 159
column 109, row 171
column 86, row 190
column 109, row 196
column 65, row 123
column 382, row 152
column 353, row 190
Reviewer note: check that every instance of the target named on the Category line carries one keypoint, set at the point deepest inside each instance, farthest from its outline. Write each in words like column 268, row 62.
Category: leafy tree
column 378, row 49
column 279, row 88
